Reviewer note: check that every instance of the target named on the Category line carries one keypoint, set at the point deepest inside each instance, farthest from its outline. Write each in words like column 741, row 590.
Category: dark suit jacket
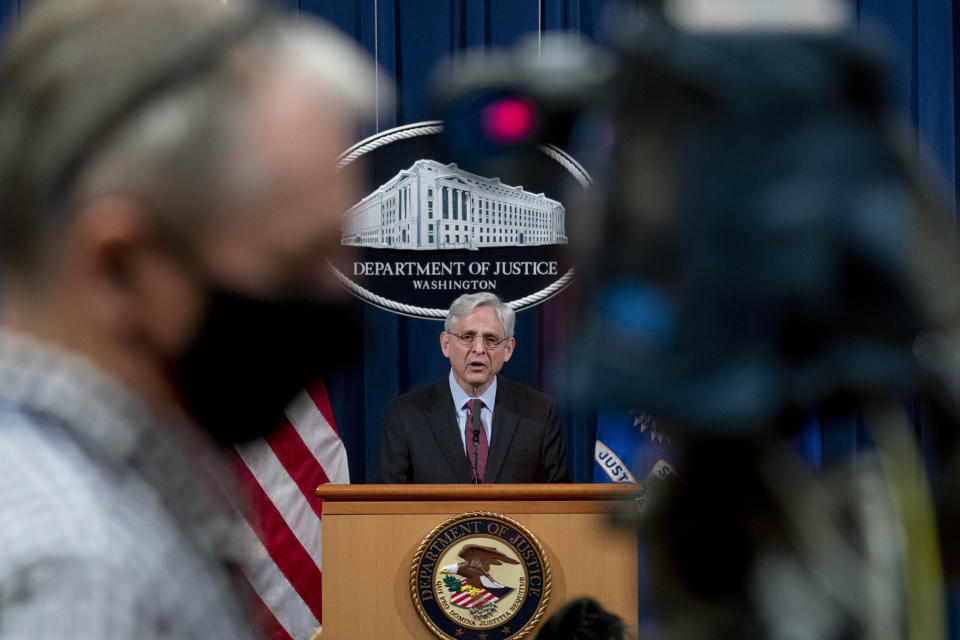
column 420, row 441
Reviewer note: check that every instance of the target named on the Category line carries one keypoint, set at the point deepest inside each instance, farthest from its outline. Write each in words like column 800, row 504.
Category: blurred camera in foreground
column 761, row 249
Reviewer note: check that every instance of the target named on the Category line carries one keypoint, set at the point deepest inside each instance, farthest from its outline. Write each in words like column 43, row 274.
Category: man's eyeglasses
column 489, row 340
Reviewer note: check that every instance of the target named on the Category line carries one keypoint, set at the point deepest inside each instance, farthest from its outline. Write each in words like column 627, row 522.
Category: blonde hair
column 143, row 98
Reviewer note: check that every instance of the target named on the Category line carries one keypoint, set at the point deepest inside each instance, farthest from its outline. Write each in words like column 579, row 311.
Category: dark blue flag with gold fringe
column 630, row 447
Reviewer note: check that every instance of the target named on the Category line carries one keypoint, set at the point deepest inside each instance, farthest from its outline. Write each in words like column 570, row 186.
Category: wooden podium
column 371, row 534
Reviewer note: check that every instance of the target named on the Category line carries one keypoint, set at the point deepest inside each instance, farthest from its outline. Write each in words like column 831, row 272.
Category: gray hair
column 467, row 303
column 70, row 75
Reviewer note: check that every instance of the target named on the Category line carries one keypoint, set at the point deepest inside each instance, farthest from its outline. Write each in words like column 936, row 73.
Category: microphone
column 477, row 405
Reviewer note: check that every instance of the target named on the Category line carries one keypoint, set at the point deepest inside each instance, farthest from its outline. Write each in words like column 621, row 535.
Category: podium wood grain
column 371, row 533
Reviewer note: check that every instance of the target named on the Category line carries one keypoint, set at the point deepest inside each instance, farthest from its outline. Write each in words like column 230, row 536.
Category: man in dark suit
column 473, row 425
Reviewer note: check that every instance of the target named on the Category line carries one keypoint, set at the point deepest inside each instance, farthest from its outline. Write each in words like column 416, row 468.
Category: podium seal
column 480, row 576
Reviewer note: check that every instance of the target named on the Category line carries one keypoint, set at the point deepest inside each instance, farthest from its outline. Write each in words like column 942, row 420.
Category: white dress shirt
column 460, row 399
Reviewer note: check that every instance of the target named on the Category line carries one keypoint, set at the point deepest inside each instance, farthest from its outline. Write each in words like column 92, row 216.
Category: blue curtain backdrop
column 408, row 37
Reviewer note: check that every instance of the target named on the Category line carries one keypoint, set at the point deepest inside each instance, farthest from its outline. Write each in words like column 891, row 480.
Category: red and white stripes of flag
column 279, row 474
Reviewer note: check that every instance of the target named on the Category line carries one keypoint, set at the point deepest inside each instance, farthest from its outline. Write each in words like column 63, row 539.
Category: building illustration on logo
column 433, row 206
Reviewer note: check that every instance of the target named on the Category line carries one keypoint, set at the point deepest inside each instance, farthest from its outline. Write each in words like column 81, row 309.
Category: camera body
column 756, row 244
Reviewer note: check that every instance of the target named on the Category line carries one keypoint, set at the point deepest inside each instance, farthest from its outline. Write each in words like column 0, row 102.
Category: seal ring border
column 432, row 127
column 547, row 576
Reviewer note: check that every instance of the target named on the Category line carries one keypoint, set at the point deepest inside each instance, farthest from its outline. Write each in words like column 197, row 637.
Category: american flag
column 279, row 474
column 470, row 600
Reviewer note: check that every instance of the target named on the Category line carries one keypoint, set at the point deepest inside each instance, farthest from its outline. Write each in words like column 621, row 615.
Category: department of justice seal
column 480, row 576
column 430, row 227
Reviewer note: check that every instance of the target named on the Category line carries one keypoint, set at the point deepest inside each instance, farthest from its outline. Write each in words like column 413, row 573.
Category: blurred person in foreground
column 167, row 186
column 583, row 619
column 473, row 425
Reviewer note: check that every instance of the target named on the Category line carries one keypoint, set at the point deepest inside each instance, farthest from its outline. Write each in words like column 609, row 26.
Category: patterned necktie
column 468, row 436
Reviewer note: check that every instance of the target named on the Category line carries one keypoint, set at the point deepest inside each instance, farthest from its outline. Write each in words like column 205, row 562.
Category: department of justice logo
column 480, row 576
column 431, row 230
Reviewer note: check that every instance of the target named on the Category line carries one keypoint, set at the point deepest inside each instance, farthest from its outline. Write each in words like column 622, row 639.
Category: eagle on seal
column 475, row 568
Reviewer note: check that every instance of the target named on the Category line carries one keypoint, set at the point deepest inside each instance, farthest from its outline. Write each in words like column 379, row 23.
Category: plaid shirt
column 105, row 531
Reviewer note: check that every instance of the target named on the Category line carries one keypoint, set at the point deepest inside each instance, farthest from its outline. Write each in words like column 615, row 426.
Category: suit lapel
column 442, row 418
column 505, row 419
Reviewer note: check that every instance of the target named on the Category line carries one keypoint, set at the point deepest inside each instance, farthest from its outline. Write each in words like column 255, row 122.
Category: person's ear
column 131, row 290
column 509, row 348
column 101, row 251
column 445, row 344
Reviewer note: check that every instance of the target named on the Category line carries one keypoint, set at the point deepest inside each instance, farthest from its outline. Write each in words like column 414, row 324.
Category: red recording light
column 508, row 120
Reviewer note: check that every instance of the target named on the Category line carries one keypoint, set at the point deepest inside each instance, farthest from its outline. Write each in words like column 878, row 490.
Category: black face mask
column 252, row 356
